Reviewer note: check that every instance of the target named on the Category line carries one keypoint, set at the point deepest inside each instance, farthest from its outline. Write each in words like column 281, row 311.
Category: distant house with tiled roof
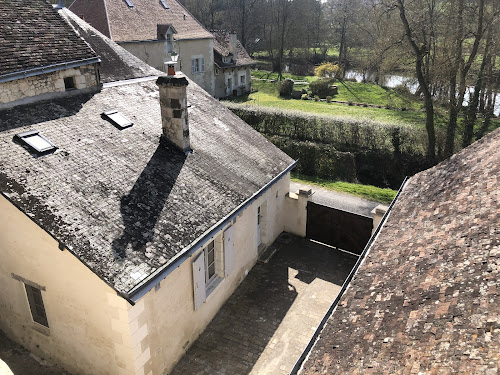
column 426, row 297
column 232, row 65
column 43, row 58
column 128, row 217
column 152, row 30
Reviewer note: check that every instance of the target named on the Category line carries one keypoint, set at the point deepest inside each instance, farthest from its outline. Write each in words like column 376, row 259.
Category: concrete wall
column 221, row 79
column 155, row 53
column 84, row 77
column 296, row 212
column 88, row 323
column 165, row 319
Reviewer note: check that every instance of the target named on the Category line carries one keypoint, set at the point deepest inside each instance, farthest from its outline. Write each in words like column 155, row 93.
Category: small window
column 36, row 141
column 242, row 80
column 36, row 305
column 69, row 83
column 129, row 3
column 197, row 65
column 117, row 119
column 164, row 4
column 210, row 273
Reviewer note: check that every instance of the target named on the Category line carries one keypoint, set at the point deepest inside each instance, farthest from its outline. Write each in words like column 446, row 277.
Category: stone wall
column 84, row 77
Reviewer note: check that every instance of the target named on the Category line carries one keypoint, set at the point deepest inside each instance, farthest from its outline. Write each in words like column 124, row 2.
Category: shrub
column 327, row 69
column 305, row 97
column 328, row 99
column 322, row 88
column 285, row 87
column 316, row 98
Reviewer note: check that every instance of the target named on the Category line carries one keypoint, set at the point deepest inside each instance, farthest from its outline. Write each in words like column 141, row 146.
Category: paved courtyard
column 268, row 321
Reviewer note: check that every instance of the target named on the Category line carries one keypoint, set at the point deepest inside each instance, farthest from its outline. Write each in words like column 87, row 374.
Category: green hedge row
column 343, row 133
column 343, row 149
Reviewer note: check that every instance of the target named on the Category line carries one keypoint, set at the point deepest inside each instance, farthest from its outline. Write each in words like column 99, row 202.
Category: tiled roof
column 426, row 300
column 222, row 40
column 139, row 22
column 32, row 35
column 116, row 63
column 118, row 199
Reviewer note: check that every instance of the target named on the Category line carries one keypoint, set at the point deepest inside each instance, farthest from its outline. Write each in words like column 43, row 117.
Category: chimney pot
column 174, row 110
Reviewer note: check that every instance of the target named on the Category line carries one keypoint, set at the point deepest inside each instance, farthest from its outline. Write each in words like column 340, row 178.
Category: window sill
column 40, row 328
column 213, row 285
column 197, row 73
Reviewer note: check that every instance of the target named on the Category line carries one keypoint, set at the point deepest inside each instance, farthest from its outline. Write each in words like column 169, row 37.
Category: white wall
column 167, row 315
column 155, row 53
column 88, row 323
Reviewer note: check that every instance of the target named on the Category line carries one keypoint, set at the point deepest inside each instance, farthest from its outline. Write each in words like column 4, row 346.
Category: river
column 393, row 80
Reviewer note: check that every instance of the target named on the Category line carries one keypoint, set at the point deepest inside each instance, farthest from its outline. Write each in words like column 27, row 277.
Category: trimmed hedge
column 341, row 148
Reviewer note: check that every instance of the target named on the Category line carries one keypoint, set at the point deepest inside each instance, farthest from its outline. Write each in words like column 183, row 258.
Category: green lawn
column 364, row 191
column 267, row 96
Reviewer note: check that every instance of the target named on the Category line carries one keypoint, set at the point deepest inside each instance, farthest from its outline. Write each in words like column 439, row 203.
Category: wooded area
column 450, row 46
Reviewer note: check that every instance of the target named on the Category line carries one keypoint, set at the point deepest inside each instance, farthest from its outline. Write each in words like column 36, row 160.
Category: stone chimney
column 174, row 111
column 232, row 45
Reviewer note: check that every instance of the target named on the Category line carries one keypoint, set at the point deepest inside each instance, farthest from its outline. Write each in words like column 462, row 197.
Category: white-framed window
column 169, row 38
column 212, row 264
column 197, row 64
column 37, row 307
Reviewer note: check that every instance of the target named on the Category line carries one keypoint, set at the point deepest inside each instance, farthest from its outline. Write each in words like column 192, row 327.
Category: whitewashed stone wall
column 84, row 77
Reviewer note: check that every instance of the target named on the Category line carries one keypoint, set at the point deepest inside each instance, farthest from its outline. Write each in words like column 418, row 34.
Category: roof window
column 117, row 119
column 36, row 141
column 129, row 3
column 164, row 4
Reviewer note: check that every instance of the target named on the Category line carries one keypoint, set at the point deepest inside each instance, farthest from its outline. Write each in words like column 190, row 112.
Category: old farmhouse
column 132, row 206
column 152, row 31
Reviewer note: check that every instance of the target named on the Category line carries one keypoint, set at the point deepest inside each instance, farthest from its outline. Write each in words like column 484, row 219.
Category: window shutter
column 199, row 280
column 228, row 251
column 192, row 66
column 202, row 64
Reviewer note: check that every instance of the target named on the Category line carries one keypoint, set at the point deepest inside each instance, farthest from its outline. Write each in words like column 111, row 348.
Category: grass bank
column 372, row 193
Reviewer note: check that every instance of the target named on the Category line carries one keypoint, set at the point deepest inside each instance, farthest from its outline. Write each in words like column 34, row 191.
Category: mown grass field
column 267, row 95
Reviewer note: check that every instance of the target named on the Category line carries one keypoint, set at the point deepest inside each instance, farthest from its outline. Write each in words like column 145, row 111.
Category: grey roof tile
column 118, row 198
column 116, row 63
column 222, row 39
column 32, row 35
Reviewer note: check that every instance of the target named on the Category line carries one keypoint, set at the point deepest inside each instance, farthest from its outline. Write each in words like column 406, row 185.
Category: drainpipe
column 346, row 283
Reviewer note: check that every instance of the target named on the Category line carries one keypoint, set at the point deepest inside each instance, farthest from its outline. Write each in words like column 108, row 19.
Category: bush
column 316, row 98
column 285, row 87
column 327, row 69
column 322, row 88
column 328, row 99
column 305, row 97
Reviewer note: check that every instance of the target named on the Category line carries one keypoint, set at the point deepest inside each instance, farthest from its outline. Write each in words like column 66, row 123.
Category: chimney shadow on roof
column 142, row 206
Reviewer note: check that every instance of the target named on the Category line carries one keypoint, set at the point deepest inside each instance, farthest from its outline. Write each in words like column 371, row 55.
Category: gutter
column 154, row 279
column 47, row 69
column 345, row 285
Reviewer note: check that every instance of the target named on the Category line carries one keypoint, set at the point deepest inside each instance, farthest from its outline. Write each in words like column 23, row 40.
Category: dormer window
column 226, row 59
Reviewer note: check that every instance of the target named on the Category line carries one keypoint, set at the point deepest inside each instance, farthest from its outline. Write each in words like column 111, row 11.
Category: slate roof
column 116, row 63
column 426, row 299
column 222, row 39
column 123, row 203
column 115, row 19
column 32, row 35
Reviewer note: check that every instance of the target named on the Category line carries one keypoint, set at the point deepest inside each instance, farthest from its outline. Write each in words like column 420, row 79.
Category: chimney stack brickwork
column 174, row 111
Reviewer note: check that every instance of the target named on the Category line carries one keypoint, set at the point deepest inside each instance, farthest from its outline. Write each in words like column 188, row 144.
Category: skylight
column 129, row 3
column 117, row 119
column 164, row 4
column 36, row 141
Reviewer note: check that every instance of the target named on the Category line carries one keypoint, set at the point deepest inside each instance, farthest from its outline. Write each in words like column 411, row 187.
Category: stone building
column 128, row 216
column 152, row 30
column 232, row 65
column 43, row 59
